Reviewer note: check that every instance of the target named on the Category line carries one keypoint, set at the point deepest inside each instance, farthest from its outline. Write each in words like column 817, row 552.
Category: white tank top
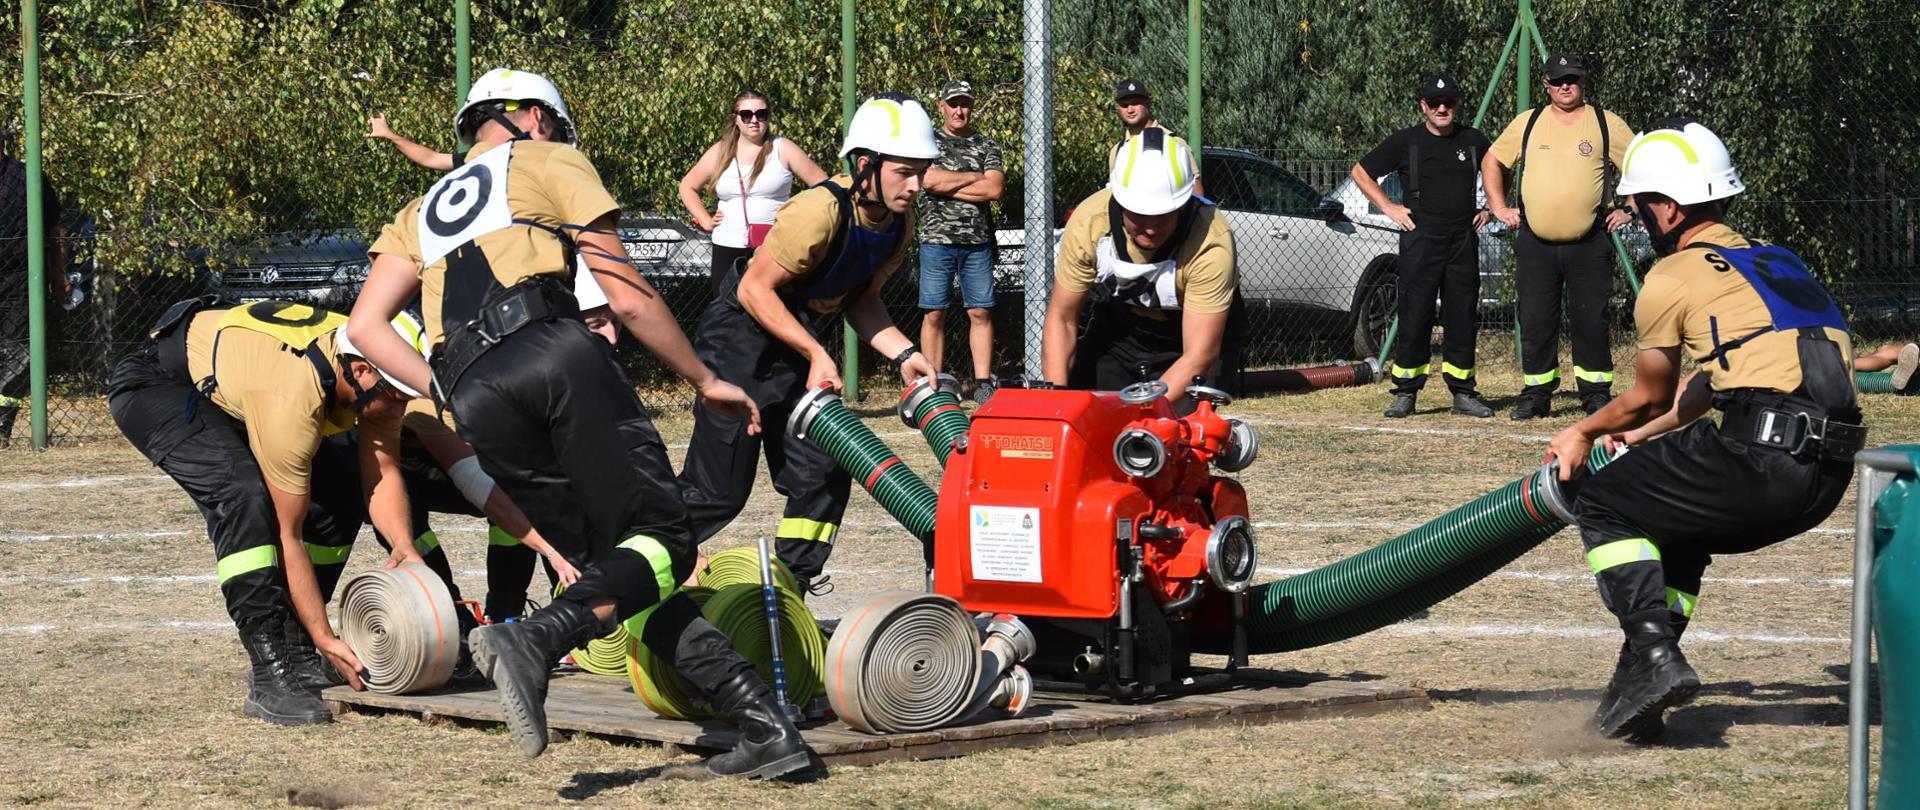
column 765, row 195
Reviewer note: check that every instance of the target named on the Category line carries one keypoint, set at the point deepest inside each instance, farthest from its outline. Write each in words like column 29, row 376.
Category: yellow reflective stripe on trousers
column 657, row 558
column 247, row 561
column 1456, row 372
column 327, row 555
column 427, row 541
column 818, row 531
column 1542, row 379
column 1409, row 373
column 497, row 536
column 1681, row 602
column 1592, row 376
column 1621, row 552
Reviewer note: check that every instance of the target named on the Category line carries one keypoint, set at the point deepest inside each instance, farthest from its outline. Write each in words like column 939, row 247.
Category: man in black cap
column 1567, row 161
column 956, row 235
column 1438, row 161
column 1135, row 105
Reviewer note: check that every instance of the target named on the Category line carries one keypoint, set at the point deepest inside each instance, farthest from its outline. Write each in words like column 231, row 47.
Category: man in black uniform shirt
column 1438, row 162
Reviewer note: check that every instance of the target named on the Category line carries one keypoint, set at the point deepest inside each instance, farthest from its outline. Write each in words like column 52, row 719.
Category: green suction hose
column 821, row 418
column 1396, row 579
column 1874, row 382
column 931, row 405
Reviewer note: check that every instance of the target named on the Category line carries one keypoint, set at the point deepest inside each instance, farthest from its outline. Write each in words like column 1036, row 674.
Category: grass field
column 122, row 678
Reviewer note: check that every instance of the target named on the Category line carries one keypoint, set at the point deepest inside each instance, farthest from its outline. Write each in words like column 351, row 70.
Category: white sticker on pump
column 1005, row 543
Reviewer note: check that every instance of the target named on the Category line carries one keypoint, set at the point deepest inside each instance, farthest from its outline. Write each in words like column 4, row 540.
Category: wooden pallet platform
column 594, row 704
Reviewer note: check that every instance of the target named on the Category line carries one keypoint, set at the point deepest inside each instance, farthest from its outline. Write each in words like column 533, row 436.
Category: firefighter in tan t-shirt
column 831, row 249
column 1772, row 352
column 1157, row 264
column 1565, row 153
column 232, row 403
column 491, row 249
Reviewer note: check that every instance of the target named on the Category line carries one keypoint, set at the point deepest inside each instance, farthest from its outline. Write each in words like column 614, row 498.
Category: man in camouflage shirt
column 956, row 235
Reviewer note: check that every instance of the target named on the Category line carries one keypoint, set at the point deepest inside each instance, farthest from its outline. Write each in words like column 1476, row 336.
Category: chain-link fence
column 217, row 147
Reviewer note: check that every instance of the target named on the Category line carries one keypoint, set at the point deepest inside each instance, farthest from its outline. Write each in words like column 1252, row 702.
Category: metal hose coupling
column 1004, row 683
column 931, row 405
column 1560, row 495
column 808, row 409
column 400, row 622
column 921, row 393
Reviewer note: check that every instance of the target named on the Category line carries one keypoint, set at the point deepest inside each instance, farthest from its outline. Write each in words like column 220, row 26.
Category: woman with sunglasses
column 751, row 172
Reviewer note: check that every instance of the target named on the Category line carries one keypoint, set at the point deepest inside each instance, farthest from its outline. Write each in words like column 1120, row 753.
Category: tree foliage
column 193, row 123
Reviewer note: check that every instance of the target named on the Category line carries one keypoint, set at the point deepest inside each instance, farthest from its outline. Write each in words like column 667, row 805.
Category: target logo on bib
column 467, row 203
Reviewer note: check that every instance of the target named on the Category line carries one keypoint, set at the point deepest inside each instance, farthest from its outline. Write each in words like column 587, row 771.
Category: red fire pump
column 1097, row 518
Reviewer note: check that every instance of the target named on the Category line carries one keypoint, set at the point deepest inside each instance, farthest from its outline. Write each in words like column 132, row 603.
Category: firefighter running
column 831, row 249
column 1772, row 349
column 1157, row 263
column 491, row 249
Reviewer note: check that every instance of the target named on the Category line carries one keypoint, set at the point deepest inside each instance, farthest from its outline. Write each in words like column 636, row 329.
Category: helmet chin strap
column 1666, row 242
column 362, row 397
column 494, row 112
column 870, row 173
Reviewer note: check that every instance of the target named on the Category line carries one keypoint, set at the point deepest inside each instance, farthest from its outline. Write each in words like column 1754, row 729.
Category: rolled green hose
column 741, row 565
column 740, row 612
column 658, row 685
column 821, row 418
column 1412, row 572
column 932, row 406
column 1874, row 382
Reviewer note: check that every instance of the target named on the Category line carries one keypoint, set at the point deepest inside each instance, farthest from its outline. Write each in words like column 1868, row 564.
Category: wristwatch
column 901, row 358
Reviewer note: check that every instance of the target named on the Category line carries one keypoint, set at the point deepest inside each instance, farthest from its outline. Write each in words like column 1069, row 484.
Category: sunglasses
column 763, row 114
column 1443, row 103
column 1563, row 81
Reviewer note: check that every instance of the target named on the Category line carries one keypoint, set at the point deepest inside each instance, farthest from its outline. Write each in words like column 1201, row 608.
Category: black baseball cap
column 1561, row 65
column 1131, row 87
column 955, row 89
column 1438, row 85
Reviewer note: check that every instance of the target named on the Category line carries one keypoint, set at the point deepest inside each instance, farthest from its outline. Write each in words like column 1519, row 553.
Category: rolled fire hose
column 904, row 661
column 400, row 622
column 606, row 655
column 741, row 566
column 932, row 406
column 1302, row 380
column 1409, row 573
column 739, row 612
column 1874, row 382
column 821, row 418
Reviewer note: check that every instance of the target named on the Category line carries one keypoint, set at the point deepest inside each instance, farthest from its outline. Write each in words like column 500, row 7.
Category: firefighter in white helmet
column 491, row 250
column 831, row 249
column 1772, row 352
column 1157, row 263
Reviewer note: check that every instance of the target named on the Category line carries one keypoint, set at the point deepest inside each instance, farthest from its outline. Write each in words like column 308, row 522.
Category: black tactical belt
column 503, row 313
column 1806, row 432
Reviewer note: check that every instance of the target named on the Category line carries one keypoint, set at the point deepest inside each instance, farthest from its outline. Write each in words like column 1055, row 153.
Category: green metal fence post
column 1522, row 101
column 36, row 224
column 462, row 49
column 1194, row 107
column 1486, row 95
column 850, row 354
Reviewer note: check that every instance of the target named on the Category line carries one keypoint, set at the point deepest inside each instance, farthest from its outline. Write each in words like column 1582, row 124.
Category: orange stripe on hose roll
column 875, row 477
column 431, row 607
column 839, row 664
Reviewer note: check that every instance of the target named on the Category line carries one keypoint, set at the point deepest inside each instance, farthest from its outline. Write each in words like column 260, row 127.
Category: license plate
column 648, row 251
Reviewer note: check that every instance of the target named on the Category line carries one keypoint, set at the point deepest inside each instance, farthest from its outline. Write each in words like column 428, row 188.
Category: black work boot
column 769, row 746
column 1657, row 679
column 1593, row 402
column 463, row 667
column 1532, row 406
column 1402, row 406
column 1469, row 403
column 274, row 693
column 518, row 656
column 310, row 669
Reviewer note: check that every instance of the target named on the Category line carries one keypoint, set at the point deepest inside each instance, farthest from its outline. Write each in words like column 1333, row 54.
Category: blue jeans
column 940, row 263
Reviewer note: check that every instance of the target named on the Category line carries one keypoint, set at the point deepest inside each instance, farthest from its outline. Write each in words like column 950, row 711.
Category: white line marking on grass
column 1505, row 630
column 117, row 627
column 1406, row 525
column 73, row 483
column 1451, row 434
column 44, row 538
